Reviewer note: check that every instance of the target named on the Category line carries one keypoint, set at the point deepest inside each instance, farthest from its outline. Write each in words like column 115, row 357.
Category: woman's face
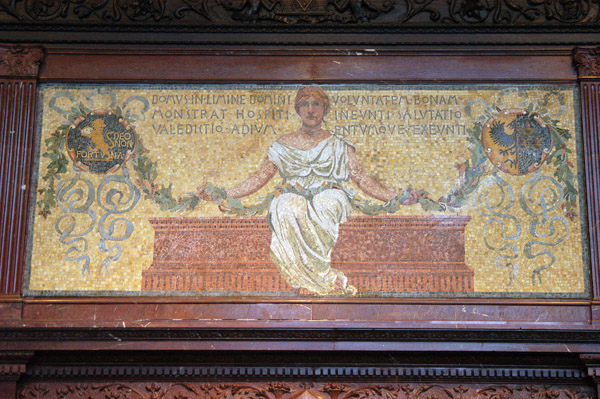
column 312, row 111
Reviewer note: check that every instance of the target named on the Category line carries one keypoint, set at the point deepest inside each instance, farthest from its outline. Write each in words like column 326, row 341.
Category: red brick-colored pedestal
column 377, row 254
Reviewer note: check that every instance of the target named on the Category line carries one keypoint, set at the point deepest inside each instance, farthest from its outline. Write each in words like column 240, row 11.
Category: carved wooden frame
column 86, row 65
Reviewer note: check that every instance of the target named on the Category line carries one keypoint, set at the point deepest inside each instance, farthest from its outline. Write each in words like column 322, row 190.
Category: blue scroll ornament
column 75, row 200
column 115, row 201
column 497, row 214
column 95, row 96
column 130, row 111
column 547, row 201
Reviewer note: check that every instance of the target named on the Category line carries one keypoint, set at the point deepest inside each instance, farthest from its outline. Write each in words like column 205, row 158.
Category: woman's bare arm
column 366, row 183
column 265, row 172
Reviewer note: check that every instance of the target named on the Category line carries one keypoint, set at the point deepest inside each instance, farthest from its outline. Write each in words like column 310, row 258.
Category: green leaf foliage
column 471, row 173
column 55, row 145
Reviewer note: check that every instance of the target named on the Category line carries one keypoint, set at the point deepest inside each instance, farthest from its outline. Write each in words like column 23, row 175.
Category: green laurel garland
column 471, row 173
column 55, row 145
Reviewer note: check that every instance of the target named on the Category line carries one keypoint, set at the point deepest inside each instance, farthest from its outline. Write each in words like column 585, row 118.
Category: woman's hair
column 314, row 91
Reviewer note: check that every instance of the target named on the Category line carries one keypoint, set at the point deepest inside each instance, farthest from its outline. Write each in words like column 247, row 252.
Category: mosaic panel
column 300, row 190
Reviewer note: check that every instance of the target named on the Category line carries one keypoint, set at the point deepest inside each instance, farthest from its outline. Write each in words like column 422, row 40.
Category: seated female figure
column 306, row 216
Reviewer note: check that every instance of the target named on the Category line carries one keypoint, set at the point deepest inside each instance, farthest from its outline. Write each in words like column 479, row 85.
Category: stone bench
column 380, row 254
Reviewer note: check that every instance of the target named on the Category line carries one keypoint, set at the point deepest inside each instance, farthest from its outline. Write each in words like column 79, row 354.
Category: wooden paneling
column 313, row 65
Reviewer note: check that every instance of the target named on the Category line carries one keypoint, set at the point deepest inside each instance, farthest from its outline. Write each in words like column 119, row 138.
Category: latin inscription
column 350, row 115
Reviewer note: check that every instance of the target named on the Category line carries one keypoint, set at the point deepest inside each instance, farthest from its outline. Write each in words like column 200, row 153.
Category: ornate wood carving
column 389, row 13
column 20, row 61
column 310, row 11
column 587, row 62
column 296, row 390
column 331, row 375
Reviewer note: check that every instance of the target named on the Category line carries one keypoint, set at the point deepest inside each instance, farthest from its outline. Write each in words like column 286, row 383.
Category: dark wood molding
column 13, row 363
column 374, row 65
column 13, row 335
column 592, row 362
column 12, row 367
column 321, row 372
column 202, row 313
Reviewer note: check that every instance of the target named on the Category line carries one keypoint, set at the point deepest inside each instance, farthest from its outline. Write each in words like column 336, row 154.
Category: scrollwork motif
column 143, row 10
column 197, row 6
column 497, row 218
column 115, row 201
column 363, row 10
column 512, row 11
column 75, row 200
column 384, row 392
column 549, row 198
column 34, row 391
column 412, row 8
column 470, row 11
column 104, row 10
column 44, row 10
column 231, row 12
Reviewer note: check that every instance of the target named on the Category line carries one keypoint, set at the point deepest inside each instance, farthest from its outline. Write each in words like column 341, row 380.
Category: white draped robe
column 305, row 227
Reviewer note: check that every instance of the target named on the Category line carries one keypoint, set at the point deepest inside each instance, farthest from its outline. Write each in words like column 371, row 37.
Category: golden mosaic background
column 397, row 160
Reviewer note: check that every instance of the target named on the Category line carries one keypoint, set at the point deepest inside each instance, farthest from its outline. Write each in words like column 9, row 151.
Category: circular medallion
column 516, row 141
column 100, row 141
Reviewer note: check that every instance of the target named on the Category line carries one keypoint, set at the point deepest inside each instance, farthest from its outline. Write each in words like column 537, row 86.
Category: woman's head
column 312, row 91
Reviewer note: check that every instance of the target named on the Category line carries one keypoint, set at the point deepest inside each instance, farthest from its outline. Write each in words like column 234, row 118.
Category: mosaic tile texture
column 499, row 217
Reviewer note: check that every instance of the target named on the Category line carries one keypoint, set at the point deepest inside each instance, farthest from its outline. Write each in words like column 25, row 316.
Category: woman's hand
column 410, row 196
column 205, row 194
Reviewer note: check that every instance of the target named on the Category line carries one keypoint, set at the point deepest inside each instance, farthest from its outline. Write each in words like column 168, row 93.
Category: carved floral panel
column 284, row 390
